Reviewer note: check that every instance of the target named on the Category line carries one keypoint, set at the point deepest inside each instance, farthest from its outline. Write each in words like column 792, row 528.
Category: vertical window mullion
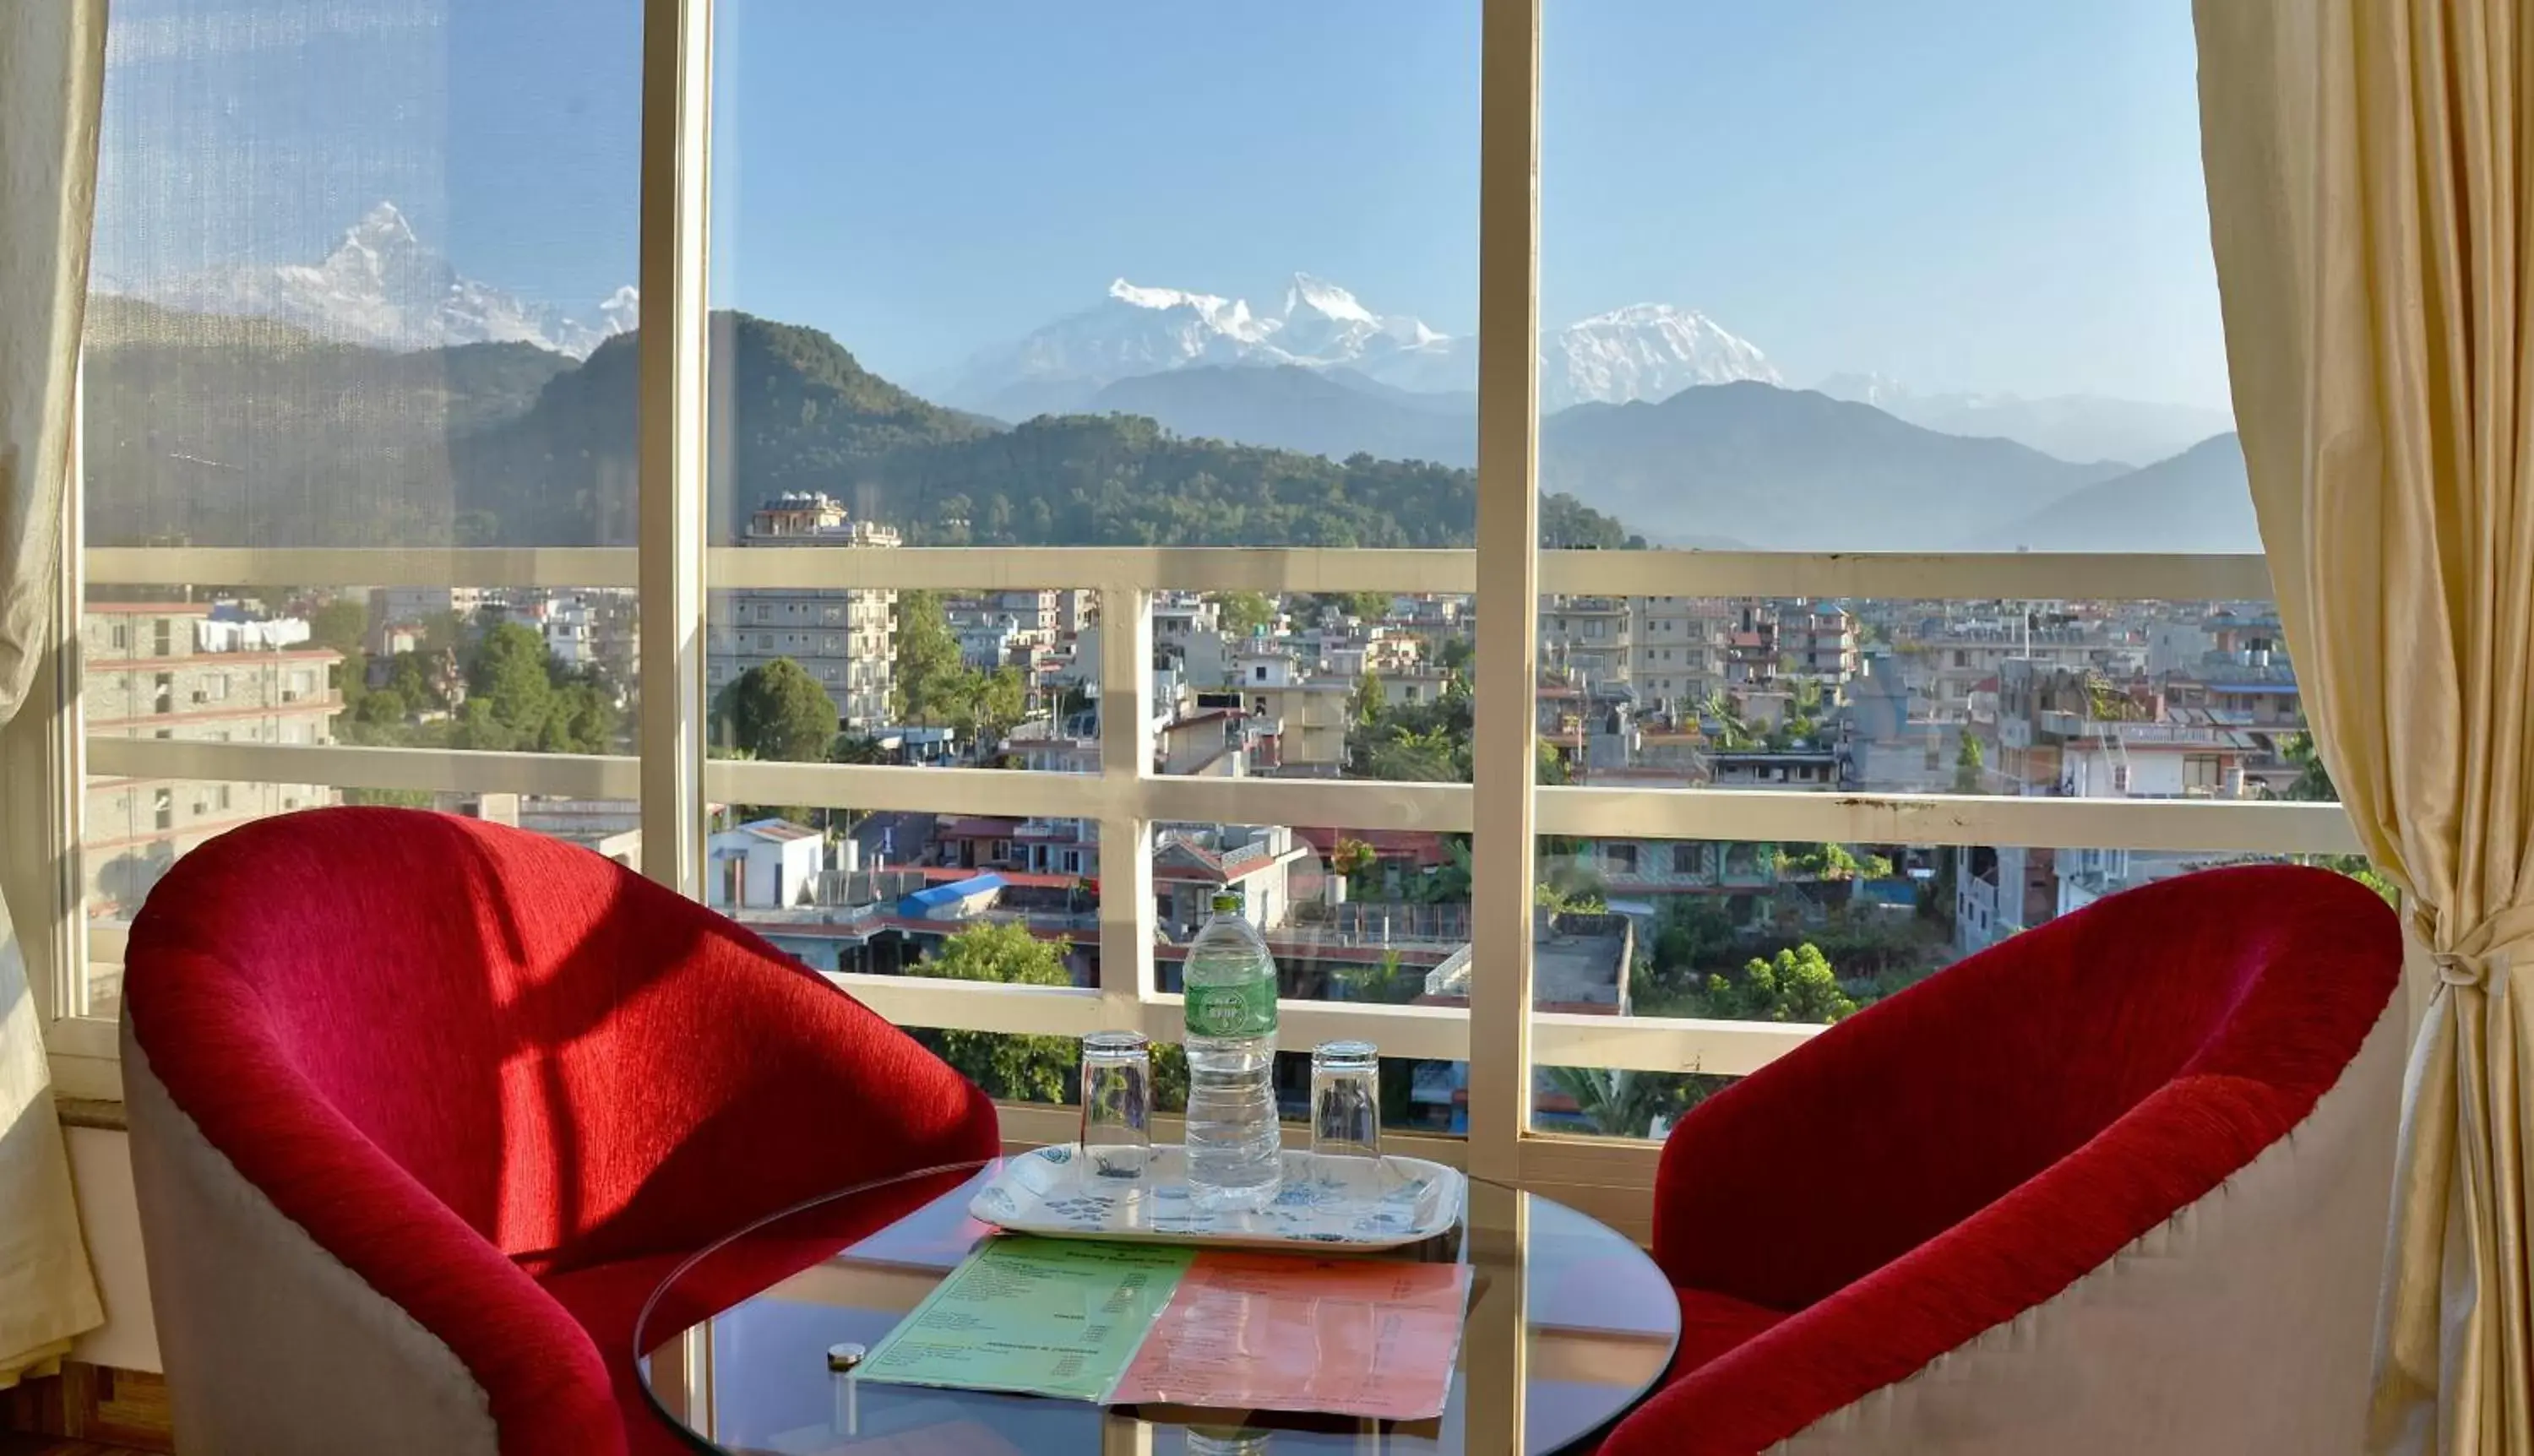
column 1508, row 571
column 677, row 83
column 1126, row 910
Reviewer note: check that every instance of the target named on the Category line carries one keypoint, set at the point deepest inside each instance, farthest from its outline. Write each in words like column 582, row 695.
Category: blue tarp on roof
column 923, row 901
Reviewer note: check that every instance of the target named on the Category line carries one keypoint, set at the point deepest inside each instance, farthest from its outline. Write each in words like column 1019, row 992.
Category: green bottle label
column 1248, row 1009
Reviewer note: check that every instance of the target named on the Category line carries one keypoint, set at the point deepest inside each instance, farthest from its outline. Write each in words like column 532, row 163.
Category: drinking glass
column 1116, row 1103
column 1346, row 1100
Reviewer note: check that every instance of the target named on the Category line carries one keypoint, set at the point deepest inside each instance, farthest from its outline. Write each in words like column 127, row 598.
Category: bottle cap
column 1226, row 902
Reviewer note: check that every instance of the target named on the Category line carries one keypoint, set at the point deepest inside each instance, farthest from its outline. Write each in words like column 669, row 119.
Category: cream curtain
column 52, row 66
column 2372, row 209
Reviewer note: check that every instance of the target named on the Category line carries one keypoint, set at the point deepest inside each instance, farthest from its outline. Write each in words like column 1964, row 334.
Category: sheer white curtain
column 2373, row 211
column 52, row 65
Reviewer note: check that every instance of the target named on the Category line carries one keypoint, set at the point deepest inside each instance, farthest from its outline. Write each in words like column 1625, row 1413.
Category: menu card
column 1271, row 1332
column 1043, row 1316
column 1163, row 1324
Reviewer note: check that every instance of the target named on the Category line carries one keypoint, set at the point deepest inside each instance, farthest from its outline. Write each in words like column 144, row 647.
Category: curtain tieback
column 2457, row 969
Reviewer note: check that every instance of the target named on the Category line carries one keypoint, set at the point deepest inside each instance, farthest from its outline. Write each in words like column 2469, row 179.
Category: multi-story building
column 1588, row 637
column 1679, row 652
column 1819, row 645
column 190, row 671
column 846, row 637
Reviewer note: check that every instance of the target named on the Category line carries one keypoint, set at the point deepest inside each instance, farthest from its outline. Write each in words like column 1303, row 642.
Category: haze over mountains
column 380, row 373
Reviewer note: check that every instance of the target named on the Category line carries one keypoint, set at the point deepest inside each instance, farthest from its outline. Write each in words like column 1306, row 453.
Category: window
column 1813, row 663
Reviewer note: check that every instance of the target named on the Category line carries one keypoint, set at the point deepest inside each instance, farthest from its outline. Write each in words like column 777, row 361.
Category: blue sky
column 1996, row 196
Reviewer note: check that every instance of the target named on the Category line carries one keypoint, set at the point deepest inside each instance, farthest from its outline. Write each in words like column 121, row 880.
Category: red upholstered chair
column 2117, row 1184
column 423, row 1108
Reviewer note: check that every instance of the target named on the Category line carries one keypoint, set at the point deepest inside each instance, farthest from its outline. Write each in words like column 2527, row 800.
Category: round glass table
column 1569, row 1325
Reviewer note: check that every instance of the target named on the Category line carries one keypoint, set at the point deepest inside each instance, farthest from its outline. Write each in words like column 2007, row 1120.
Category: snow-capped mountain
column 1642, row 352
column 381, row 286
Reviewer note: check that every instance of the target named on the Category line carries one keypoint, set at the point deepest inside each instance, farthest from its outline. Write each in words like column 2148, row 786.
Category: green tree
column 930, row 684
column 1969, row 765
column 1244, row 613
column 1820, row 862
column 1551, row 767
column 996, row 703
column 1694, row 933
column 2313, row 782
column 1352, row 857
column 385, row 707
column 778, row 710
column 443, row 632
column 509, row 680
column 1367, row 706
column 342, row 626
column 1409, row 756
column 1570, row 900
column 583, row 721
column 1019, row 1068
column 1797, row 984
column 1627, row 1104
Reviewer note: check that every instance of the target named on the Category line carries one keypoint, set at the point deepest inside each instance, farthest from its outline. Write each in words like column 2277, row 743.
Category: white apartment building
column 1588, row 637
column 846, row 637
column 190, row 671
column 1678, row 649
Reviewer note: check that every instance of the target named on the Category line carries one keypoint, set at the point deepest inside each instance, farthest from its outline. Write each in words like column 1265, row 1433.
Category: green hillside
column 239, row 432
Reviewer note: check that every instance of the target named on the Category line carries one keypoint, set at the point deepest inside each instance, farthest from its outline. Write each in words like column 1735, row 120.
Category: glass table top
column 1569, row 1325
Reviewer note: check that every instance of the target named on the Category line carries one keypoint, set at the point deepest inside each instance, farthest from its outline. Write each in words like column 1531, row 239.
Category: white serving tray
column 1359, row 1203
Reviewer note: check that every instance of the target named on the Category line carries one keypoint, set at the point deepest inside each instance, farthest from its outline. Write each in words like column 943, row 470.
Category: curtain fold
column 52, row 69
column 2372, row 213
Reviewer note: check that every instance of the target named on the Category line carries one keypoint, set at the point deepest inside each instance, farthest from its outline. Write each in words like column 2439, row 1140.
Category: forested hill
column 220, row 432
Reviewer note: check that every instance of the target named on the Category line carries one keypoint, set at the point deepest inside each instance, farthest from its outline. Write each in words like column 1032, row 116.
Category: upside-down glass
column 1116, row 1103
column 1346, row 1100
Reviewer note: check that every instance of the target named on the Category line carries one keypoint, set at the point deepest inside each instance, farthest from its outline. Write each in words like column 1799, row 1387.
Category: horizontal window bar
column 1441, row 806
column 1770, row 815
column 1908, row 576
column 361, row 566
column 1422, row 1033
column 1704, row 813
column 954, row 791
column 1969, row 575
column 1725, row 1049
column 343, row 767
column 1189, row 568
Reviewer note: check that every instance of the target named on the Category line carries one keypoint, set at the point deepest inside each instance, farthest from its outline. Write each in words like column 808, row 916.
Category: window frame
column 1500, row 1034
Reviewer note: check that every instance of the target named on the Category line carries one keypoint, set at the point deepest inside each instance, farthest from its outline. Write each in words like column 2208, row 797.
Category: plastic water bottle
column 1234, row 1143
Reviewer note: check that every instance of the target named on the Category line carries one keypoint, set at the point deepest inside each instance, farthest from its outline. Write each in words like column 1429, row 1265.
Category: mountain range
column 378, row 398
column 1641, row 352
column 2073, row 427
column 381, row 287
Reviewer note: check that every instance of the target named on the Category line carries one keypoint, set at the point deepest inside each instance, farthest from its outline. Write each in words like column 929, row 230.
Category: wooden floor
column 53, row 1445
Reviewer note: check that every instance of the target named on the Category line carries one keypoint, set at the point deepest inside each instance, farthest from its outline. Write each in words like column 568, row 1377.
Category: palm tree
column 1618, row 1104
